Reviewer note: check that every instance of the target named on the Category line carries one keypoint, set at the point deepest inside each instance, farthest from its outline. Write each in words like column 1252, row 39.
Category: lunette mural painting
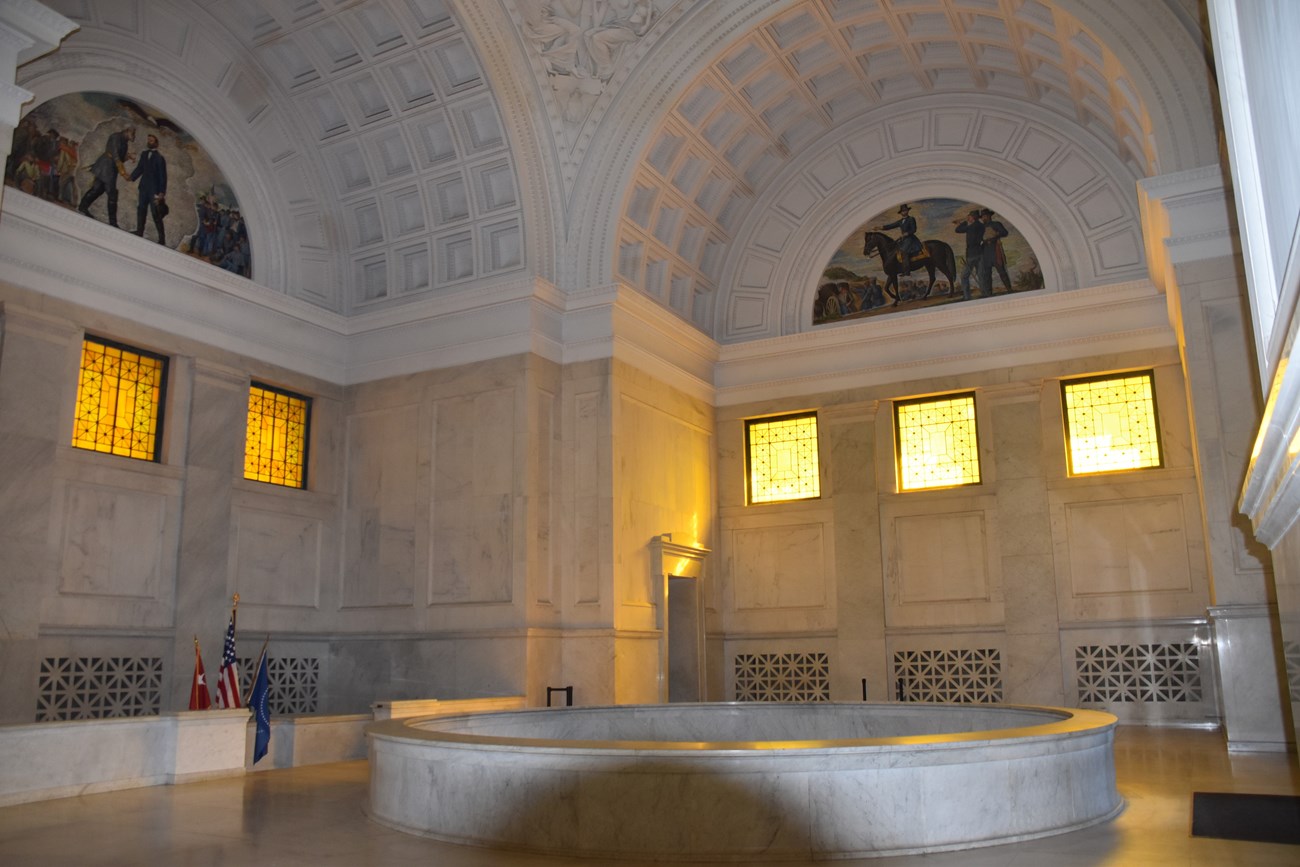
column 923, row 254
column 122, row 162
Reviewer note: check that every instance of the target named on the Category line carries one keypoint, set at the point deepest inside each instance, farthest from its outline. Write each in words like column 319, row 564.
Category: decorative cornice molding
column 946, row 342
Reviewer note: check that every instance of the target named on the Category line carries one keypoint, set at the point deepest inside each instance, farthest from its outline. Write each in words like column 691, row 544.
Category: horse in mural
column 935, row 256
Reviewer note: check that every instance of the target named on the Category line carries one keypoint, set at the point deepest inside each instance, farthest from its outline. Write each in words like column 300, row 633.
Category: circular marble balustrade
column 745, row 782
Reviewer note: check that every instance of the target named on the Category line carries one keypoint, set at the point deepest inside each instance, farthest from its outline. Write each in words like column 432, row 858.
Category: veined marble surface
column 760, row 782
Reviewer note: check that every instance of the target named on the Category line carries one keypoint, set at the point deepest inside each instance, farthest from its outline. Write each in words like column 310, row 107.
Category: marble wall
column 479, row 530
column 993, row 587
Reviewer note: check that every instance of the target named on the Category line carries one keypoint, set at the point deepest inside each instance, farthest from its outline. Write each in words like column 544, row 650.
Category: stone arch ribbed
column 1160, row 56
column 520, row 102
column 1176, row 82
column 633, row 120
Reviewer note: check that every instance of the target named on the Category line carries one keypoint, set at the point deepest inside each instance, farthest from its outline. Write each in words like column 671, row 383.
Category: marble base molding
column 728, row 782
column 61, row 759
column 1254, row 718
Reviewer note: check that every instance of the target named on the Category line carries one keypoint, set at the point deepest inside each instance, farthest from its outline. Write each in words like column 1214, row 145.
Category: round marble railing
column 728, row 782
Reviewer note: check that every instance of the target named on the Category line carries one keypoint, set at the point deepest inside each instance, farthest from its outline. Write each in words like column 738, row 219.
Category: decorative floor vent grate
column 292, row 680
column 783, row 677
column 98, row 687
column 971, row 676
column 1109, row 673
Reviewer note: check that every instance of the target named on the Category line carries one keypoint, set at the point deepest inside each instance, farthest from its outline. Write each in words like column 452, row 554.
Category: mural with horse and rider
column 921, row 254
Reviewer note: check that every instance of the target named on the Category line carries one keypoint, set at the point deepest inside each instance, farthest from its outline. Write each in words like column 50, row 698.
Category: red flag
column 200, row 698
column 228, row 677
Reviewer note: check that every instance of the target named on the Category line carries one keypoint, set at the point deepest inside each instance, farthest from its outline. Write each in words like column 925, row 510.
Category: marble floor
column 314, row 816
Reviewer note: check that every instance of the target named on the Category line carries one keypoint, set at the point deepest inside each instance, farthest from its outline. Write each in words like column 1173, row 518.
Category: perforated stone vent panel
column 1131, row 673
column 98, row 687
column 971, row 676
column 792, row 677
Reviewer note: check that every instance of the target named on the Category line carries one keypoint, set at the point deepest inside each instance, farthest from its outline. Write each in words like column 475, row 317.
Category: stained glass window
column 936, row 442
column 119, row 400
column 781, row 458
column 275, row 449
column 1111, row 423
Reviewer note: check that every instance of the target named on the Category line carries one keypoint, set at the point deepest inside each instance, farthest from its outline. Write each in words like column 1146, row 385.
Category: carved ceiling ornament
column 581, row 44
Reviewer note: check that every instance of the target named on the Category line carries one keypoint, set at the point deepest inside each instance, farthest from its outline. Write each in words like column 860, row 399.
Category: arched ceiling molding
column 633, row 120
column 1076, row 205
column 538, row 163
column 1176, row 82
column 371, row 128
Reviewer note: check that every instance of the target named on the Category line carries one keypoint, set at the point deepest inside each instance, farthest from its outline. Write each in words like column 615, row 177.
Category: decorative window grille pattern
column 936, row 442
column 98, row 687
column 1109, row 673
column 1111, row 423
column 119, row 400
column 292, row 680
column 275, row 448
column 783, row 677
column 971, row 676
column 781, row 458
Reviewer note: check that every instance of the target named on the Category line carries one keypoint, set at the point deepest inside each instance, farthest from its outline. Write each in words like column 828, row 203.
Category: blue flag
column 257, row 701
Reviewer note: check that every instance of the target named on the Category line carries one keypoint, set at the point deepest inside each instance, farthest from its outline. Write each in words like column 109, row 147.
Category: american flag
column 228, row 679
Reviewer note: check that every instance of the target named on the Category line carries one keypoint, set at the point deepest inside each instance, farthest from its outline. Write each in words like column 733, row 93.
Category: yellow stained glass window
column 781, row 458
column 936, row 442
column 275, row 449
column 1111, row 423
column 119, row 400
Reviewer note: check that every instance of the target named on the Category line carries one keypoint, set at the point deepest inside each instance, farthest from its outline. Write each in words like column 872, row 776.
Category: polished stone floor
column 315, row 816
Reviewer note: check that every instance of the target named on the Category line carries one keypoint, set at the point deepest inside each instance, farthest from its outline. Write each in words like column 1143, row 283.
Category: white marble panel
column 941, row 559
column 954, row 571
column 277, row 558
column 112, row 542
column 779, row 567
column 1128, row 546
column 472, row 513
column 380, row 521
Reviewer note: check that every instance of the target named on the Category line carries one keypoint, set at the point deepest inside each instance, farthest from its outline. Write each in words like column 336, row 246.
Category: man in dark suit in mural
column 111, row 164
column 973, row 229
column 151, row 172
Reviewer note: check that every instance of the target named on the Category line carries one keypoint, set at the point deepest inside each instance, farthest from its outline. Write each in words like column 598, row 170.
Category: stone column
column 1193, row 258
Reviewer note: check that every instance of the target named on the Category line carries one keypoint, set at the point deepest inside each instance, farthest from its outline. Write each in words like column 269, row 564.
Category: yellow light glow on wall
column 1111, row 423
column 119, row 398
column 781, row 458
column 937, row 446
column 275, row 448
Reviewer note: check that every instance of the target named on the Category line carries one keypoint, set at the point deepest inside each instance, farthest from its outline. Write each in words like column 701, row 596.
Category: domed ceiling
column 393, row 151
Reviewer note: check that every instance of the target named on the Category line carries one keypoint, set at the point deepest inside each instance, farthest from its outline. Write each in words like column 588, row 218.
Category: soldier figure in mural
column 908, row 244
column 993, row 256
column 898, row 257
column 111, row 164
column 973, row 229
